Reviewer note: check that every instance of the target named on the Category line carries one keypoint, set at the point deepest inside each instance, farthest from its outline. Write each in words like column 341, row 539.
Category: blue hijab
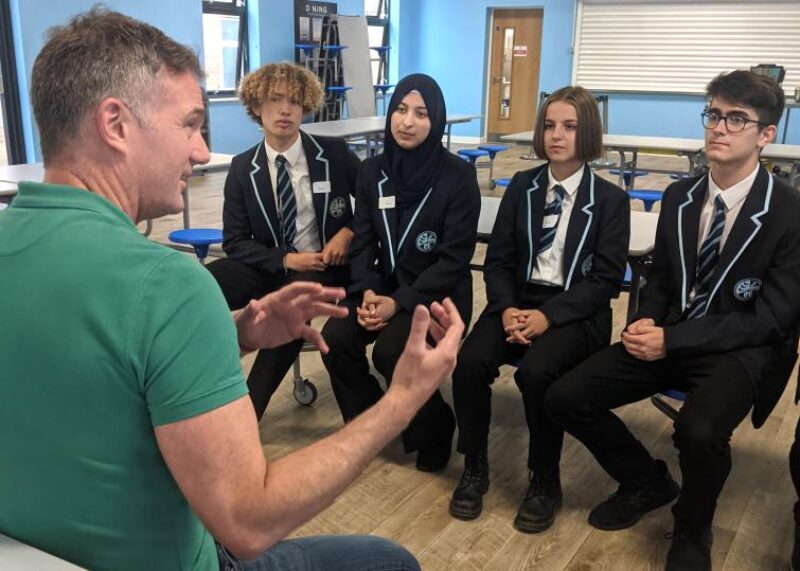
column 412, row 171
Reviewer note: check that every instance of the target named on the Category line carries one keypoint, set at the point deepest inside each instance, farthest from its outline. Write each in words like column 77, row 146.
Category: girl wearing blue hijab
column 415, row 226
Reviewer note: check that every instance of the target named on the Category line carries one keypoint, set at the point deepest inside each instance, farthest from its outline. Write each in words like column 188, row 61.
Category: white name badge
column 386, row 202
column 550, row 221
column 321, row 187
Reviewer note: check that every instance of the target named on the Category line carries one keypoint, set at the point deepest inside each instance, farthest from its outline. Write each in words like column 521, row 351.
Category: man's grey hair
column 99, row 54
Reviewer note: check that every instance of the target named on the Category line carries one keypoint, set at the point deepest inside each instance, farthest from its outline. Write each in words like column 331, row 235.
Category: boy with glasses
column 718, row 319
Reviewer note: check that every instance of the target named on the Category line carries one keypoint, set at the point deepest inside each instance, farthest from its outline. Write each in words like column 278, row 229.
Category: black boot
column 690, row 549
column 467, row 500
column 628, row 504
column 543, row 499
column 796, row 549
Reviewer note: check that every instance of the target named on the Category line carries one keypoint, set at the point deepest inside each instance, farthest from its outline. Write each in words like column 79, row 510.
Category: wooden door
column 514, row 70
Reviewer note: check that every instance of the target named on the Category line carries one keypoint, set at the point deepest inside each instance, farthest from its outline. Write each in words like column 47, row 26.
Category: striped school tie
column 287, row 203
column 707, row 261
column 551, row 209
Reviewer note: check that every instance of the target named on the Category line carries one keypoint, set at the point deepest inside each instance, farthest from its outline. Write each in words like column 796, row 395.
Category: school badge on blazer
column 426, row 241
column 586, row 266
column 337, row 207
column 746, row 289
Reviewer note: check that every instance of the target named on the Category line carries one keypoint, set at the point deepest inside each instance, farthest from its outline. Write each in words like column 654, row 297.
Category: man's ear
column 113, row 122
column 767, row 135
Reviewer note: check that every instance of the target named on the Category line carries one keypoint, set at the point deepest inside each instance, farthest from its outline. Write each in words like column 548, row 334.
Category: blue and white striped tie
column 551, row 209
column 287, row 203
column 707, row 261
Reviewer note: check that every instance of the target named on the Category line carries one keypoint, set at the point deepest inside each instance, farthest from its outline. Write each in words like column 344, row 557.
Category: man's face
column 168, row 144
column 724, row 147
column 281, row 116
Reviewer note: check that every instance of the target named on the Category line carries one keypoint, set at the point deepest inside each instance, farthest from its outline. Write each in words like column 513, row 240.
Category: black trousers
column 550, row 356
column 720, row 394
column 356, row 389
column 239, row 284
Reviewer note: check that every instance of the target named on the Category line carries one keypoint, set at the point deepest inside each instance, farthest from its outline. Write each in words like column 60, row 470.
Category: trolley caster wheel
column 492, row 184
column 305, row 393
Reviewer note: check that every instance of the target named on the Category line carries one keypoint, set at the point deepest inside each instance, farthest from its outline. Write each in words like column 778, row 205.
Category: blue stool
column 626, row 281
column 199, row 238
column 503, row 181
column 492, row 150
column 381, row 89
column 338, row 92
column 472, row 155
column 648, row 197
column 626, row 176
column 679, row 175
column 662, row 405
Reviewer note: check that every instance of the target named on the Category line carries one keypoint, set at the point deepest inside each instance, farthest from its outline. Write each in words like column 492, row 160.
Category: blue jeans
column 328, row 553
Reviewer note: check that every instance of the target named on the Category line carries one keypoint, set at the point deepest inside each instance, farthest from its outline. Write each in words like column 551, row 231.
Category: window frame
column 231, row 8
column 374, row 21
column 12, row 108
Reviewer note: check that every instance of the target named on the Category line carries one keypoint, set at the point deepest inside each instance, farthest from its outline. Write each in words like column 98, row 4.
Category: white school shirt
column 307, row 238
column 549, row 266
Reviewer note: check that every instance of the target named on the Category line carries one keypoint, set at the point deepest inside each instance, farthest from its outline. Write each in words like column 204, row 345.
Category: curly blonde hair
column 301, row 85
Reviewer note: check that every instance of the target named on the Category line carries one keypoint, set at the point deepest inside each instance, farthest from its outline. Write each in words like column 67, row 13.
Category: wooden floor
column 752, row 529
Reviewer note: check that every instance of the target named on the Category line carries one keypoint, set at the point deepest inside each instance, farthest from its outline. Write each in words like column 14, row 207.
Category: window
column 377, row 12
column 224, row 44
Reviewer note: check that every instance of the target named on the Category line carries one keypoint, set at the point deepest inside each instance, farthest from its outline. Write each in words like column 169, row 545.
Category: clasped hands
column 643, row 340
column 524, row 325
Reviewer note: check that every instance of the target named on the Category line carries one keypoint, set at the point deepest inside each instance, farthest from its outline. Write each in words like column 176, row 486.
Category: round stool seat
column 679, row 176
column 493, row 149
column 383, row 87
column 338, row 88
column 472, row 154
column 674, row 394
column 199, row 238
column 503, row 181
column 648, row 197
column 332, row 48
column 627, row 172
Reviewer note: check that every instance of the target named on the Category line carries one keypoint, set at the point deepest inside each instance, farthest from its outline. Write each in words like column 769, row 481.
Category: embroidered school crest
column 746, row 289
column 586, row 266
column 337, row 207
column 426, row 241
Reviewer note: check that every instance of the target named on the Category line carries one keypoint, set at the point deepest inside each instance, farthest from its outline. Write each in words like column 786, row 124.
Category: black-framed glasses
column 733, row 123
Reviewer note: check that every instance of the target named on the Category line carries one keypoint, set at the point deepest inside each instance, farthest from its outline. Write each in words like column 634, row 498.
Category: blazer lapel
column 534, row 203
column 688, row 229
column 319, row 172
column 389, row 218
column 262, row 189
column 745, row 228
column 580, row 221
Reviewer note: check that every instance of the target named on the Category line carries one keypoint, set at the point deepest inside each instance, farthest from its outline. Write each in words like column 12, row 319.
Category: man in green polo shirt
column 127, row 440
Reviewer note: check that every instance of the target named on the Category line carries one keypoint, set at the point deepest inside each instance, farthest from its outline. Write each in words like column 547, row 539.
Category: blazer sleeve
column 500, row 266
column 657, row 295
column 772, row 318
column 237, row 232
column 364, row 273
column 460, row 233
column 351, row 166
column 603, row 281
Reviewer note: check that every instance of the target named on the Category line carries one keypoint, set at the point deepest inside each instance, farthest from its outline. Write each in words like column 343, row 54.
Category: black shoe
column 690, row 551
column 538, row 510
column 467, row 500
column 796, row 550
column 435, row 454
column 627, row 505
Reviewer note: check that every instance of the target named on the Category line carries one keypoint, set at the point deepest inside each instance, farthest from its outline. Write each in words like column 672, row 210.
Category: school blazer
column 250, row 225
column 754, row 302
column 595, row 249
column 428, row 258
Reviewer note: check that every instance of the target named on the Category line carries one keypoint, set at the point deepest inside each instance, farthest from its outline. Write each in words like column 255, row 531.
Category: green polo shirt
column 103, row 335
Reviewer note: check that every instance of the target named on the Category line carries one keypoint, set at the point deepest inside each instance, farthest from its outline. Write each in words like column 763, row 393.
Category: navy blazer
column 428, row 258
column 754, row 301
column 250, row 224
column 595, row 249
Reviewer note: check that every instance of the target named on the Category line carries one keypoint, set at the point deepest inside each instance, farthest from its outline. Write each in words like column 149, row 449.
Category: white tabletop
column 628, row 142
column 362, row 126
column 643, row 226
column 8, row 188
column 16, row 555
column 35, row 171
column 782, row 152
